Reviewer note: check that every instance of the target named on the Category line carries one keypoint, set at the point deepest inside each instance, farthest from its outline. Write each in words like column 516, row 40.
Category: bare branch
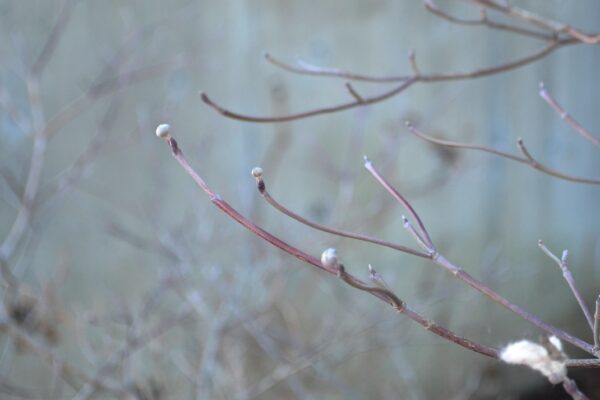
column 407, row 82
column 484, row 21
column 597, row 328
column 351, row 280
column 395, row 194
column 539, row 21
column 528, row 159
column 564, row 267
column 564, row 115
column 262, row 189
column 54, row 36
column 474, row 282
column 304, row 68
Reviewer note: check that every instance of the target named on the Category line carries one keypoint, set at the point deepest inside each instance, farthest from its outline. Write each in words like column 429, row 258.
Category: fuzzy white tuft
column 536, row 357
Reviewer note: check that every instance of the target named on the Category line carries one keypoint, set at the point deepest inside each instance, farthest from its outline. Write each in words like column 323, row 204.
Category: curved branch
column 539, row 21
column 564, row 115
column 262, row 189
column 481, row 287
column 407, row 82
column 484, row 21
column 349, row 279
column 527, row 159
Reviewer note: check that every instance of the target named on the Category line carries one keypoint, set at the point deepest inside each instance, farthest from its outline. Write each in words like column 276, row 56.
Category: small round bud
column 257, row 172
column 329, row 258
column 163, row 131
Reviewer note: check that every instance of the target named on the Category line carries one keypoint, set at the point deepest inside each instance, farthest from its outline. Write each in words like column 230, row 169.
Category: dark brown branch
column 262, row 189
column 564, row 115
column 325, row 110
column 527, row 159
column 407, row 82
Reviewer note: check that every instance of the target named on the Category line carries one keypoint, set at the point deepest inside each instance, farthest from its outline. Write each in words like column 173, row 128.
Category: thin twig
column 382, row 294
column 480, row 286
column 304, row 68
column 564, row 267
column 564, row 115
column 528, row 159
column 407, row 82
column 23, row 218
column 572, row 390
column 597, row 328
column 54, row 36
column 484, row 21
column 262, row 189
column 539, row 21
column 395, row 194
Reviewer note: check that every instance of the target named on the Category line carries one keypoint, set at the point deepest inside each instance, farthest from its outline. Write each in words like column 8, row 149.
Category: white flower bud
column 535, row 357
column 329, row 258
column 257, row 172
column 163, row 131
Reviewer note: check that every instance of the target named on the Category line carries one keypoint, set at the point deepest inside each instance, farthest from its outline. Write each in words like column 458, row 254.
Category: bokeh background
column 121, row 241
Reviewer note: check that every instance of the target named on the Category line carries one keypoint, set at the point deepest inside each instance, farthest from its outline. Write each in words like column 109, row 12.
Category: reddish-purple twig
column 351, row 280
column 477, row 284
column 484, row 21
column 564, row 115
column 422, row 230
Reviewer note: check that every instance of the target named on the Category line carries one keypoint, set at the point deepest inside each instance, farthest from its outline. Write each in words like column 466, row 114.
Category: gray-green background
column 134, row 218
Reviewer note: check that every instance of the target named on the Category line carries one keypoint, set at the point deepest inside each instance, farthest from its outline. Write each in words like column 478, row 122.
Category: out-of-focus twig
column 565, row 116
column 564, row 267
column 406, row 82
column 527, row 159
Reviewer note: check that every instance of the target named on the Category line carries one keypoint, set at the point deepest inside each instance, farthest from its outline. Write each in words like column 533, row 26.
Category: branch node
column 354, row 93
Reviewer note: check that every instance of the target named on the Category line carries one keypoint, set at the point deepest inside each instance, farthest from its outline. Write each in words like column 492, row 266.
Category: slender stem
column 304, row 68
column 395, row 194
column 564, row 267
column 496, row 297
column 527, row 159
column 406, row 82
column 572, row 390
column 541, row 167
column 402, row 308
column 351, row 280
column 564, row 115
column 484, row 21
column 474, row 282
column 262, row 188
column 597, row 328
column 324, row 110
column 539, row 21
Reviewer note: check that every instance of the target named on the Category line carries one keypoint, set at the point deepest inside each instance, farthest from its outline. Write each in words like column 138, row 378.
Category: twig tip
column 163, row 131
column 257, row 172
